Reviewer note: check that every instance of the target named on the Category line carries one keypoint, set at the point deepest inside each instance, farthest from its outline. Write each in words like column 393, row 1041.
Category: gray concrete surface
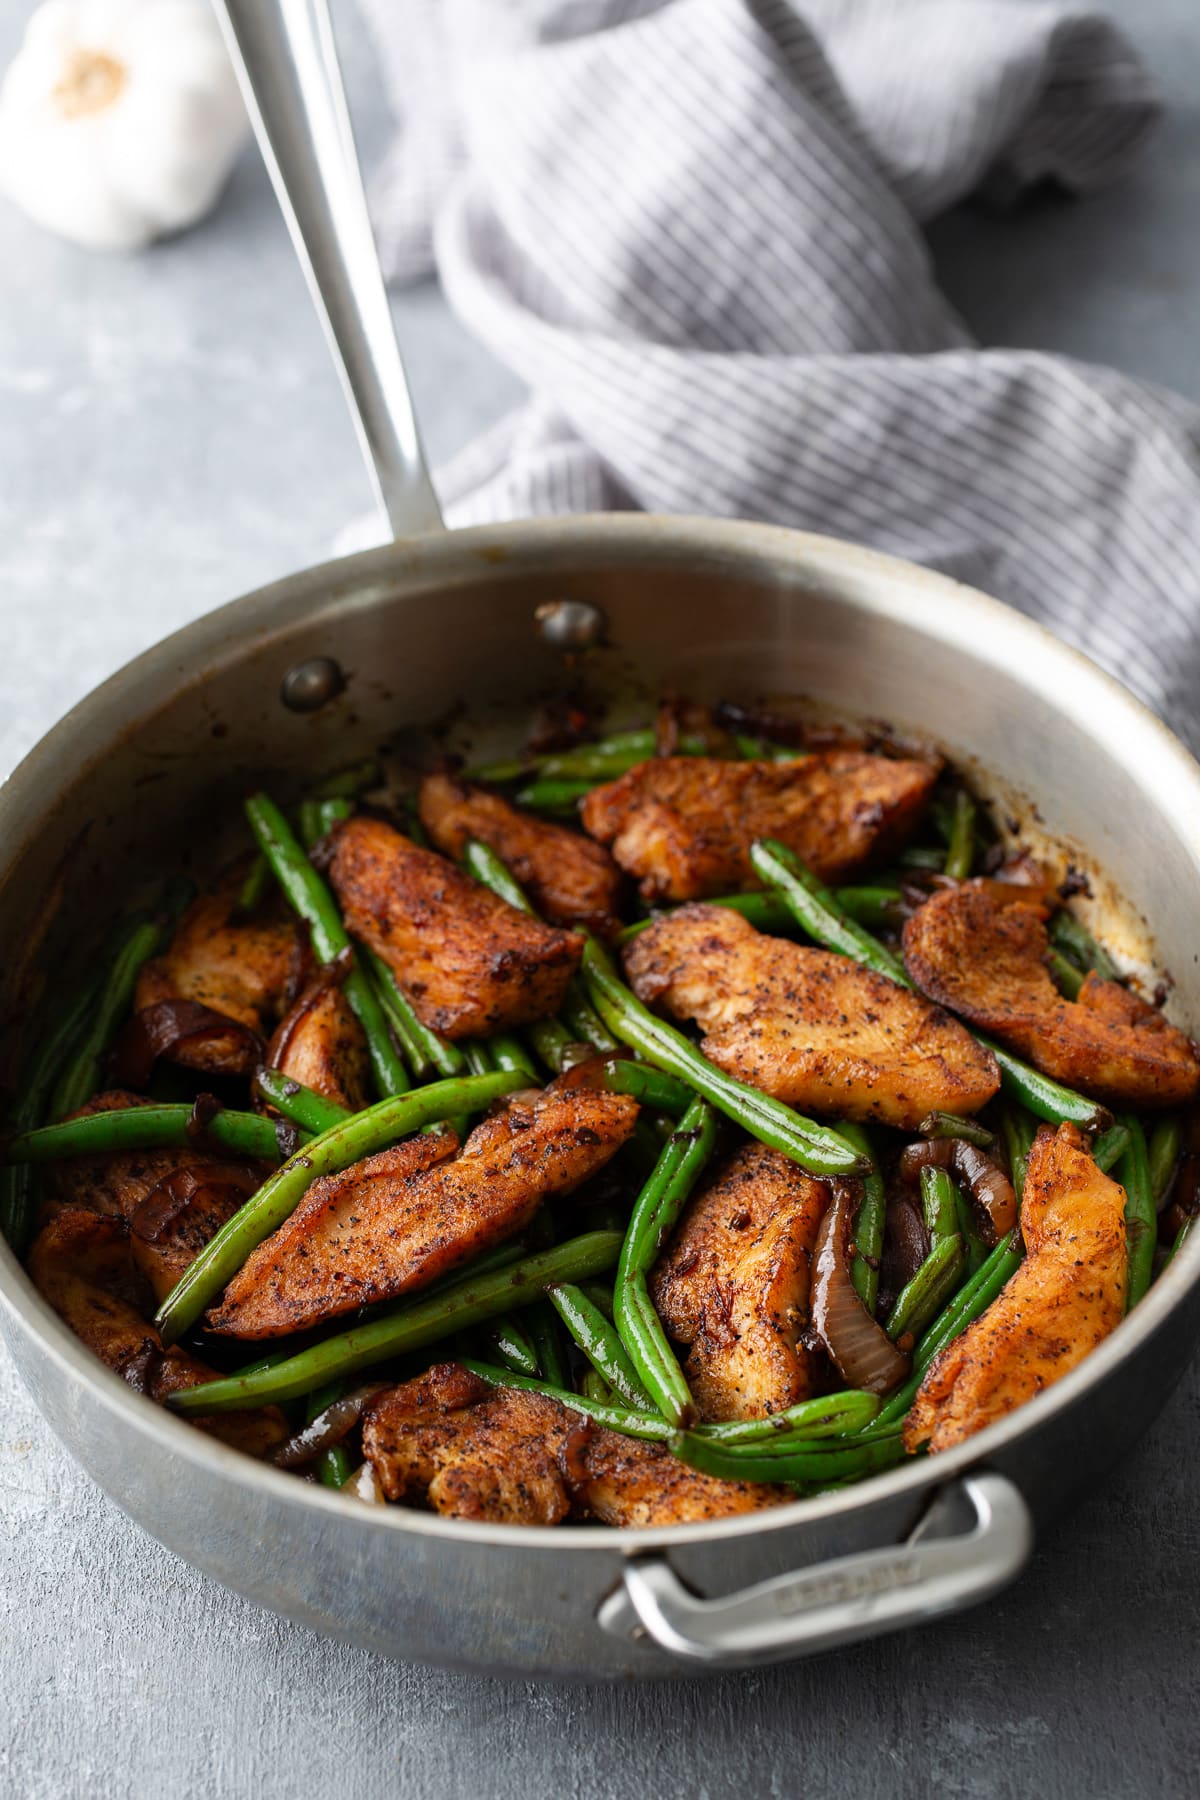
column 170, row 434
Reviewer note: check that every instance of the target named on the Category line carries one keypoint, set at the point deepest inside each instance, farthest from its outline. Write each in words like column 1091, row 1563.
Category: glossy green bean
column 655, row 1212
column 513, row 1345
column 960, row 852
column 968, row 1231
column 1110, row 1147
column 309, row 896
column 599, row 1342
column 654, row 1088
column 1049, row 1100
column 545, row 1333
column 805, row 1461
column 938, row 1204
column 1067, row 977
column 829, row 1416
column 1141, row 1214
column 302, row 1105
column 868, row 1221
column 1019, row 1130
column 551, row 1040
column 255, row 887
column 413, row 1325
column 558, row 798
column 428, row 1052
column 144, row 1128
column 949, row 1125
column 817, row 1148
column 1070, row 935
column 1166, row 1142
column 380, row 1125
column 921, row 1298
column 508, row 1052
column 79, row 1078
column 617, row 1418
column 766, row 911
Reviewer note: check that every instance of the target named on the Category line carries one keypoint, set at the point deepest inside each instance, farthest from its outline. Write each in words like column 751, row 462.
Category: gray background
column 171, row 434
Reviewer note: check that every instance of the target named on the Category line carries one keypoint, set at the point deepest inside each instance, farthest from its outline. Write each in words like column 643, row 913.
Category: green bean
column 143, row 1128
column 1166, row 1141
column 1181, row 1237
column 559, row 798
column 428, row 1052
column 345, row 1143
column 655, row 1212
column 545, row 1333
column 310, row 823
column 1110, row 1147
column 816, row 909
column 759, row 749
column 868, row 1221
column 508, row 1052
column 579, row 1016
column 513, row 1346
column 18, row 1195
column 829, row 1416
column 922, row 856
column 817, row 1148
column 767, row 912
column 612, row 756
column 331, row 812
column 949, row 1125
column 332, row 1466
column 617, row 1418
column 592, row 1386
column 599, row 1342
column 960, row 853
column 350, row 782
column 655, row 1089
column 781, row 1462
column 551, row 1040
column 479, row 1057
column 1141, row 1214
column 1069, row 934
column 974, row 1245
column 255, row 887
column 1019, row 1131
column 875, row 906
column 972, row 1299
column 1067, row 977
column 413, row 1325
column 309, row 896
column 80, row 1077
column 937, row 1201
column 921, row 1298
column 302, row 1105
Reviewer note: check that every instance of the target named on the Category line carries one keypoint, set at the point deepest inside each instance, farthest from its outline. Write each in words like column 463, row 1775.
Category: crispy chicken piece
column 684, row 824
column 981, row 950
column 173, row 1201
column 569, row 879
column 321, row 1044
column 470, row 1451
column 474, row 1452
column 81, row 1264
column 809, row 1027
column 625, row 1481
column 1067, row 1296
column 240, row 969
column 404, row 1218
column 470, row 963
column 733, row 1284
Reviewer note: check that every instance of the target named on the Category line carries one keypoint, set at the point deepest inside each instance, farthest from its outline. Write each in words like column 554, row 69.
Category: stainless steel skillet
column 435, row 621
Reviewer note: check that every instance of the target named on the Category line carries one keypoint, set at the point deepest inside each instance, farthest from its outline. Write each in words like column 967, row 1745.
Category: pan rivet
column 571, row 624
column 308, row 686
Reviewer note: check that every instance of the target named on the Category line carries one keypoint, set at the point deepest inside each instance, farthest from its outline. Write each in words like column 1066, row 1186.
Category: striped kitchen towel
column 693, row 227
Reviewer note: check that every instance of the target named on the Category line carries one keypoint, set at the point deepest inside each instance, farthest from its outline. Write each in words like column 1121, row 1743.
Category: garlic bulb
column 119, row 119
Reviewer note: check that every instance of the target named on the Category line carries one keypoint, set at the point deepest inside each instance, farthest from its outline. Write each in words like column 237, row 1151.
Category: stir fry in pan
column 643, row 1132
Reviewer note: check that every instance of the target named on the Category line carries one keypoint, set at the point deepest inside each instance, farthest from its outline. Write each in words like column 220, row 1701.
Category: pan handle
column 937, row 1570
column 286, row 61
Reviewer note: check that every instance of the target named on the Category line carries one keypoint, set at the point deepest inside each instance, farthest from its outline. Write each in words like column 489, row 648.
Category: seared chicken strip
column 809, row 1027
column 404, row 1218
column 237, row 968
column 569, row 879
column 474, row 1452
column 684, row 824
column 81, row 1264
column 980, row 950
column 173, row 1201
column 733, row 1283
column 1065, row 1298
column 470, row 963
column 321, row 1044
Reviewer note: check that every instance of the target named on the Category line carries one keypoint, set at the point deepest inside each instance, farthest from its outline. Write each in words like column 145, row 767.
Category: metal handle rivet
column 312, row 684
column 571, row 624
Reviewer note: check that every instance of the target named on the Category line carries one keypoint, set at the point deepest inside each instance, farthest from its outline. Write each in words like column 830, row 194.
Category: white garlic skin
column 120, row 120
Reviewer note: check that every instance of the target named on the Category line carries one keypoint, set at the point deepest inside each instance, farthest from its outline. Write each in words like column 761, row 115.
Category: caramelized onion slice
column 327, row 1429
column 864, row 1354
column 989, row 1187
